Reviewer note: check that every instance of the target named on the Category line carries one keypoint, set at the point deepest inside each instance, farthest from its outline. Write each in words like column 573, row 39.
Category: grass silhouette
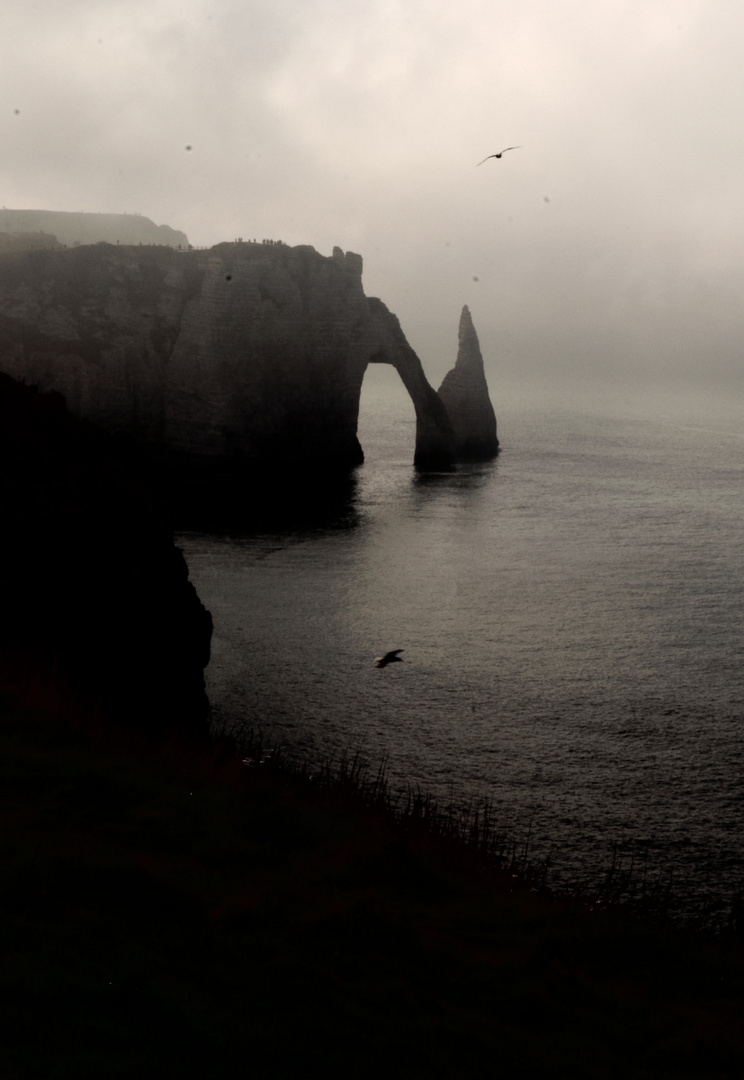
column 171, row 909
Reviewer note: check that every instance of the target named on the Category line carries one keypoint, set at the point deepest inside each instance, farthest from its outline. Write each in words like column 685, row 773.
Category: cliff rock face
column 96, row 610
column 73, row 228
column 465, row 396
column 250, row 352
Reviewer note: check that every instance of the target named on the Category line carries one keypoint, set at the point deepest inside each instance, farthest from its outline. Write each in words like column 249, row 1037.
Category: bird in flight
column 388, row 658
column 499, row 154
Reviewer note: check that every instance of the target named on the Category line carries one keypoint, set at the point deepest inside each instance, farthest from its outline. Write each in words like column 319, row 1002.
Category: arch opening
column 386, row 426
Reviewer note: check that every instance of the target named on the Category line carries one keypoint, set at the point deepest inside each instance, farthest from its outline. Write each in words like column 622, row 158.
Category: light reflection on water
column 571, row 616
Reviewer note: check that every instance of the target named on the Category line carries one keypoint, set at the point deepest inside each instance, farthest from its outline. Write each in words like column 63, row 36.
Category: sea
column 571, row 617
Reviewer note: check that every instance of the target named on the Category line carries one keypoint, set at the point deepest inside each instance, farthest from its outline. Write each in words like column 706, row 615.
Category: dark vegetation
column 170, row 910
column 171, row 906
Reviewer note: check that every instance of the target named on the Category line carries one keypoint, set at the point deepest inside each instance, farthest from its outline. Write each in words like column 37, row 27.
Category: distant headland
column 70, row 228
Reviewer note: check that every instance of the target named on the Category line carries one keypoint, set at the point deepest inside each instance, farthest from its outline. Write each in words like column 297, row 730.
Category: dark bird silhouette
column 499, row 154
column 388, row 658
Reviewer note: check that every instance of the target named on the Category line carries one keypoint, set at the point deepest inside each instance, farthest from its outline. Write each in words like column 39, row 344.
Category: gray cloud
column 609, row 245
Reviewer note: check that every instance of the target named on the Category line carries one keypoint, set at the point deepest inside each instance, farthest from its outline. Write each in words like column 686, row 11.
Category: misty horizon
column 606, row 250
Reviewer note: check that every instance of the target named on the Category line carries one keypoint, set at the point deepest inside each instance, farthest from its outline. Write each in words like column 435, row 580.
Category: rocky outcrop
column 251, row 353
column 464, row 393
column 97, row 615
column 73, row 228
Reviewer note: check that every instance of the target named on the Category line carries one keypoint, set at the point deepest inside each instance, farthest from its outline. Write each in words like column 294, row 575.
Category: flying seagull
column 499, row 154
column 388, row 658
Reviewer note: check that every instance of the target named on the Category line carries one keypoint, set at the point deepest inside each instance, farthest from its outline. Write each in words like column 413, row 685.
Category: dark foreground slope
column 169, row 913
column 96, row 610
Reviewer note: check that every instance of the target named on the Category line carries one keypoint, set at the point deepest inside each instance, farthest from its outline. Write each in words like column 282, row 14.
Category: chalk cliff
column 465, row 396
column 253, row 353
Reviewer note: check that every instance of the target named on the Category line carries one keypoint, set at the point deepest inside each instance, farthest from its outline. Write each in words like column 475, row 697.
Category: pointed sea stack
column 464, row 393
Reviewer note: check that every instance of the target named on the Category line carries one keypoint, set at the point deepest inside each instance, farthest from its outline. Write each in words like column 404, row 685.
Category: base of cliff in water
column 207, row 494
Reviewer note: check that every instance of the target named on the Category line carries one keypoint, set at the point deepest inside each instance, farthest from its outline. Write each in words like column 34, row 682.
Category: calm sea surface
column 571, row 616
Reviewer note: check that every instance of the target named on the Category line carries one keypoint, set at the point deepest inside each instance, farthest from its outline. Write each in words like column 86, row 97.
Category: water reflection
column 570, row 615
column 470, row 476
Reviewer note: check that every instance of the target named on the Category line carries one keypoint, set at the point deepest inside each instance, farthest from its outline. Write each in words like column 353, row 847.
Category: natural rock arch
column 387, row 345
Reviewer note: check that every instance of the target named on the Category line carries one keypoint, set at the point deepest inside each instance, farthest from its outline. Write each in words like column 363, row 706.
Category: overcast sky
column 610, row 245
